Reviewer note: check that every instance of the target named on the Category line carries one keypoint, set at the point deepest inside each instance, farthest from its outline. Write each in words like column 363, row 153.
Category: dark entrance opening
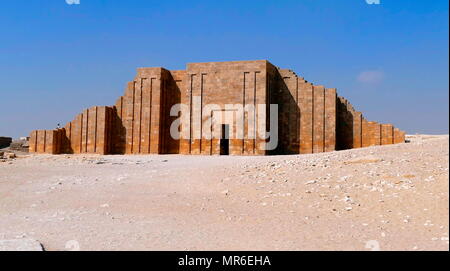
column 224, row 140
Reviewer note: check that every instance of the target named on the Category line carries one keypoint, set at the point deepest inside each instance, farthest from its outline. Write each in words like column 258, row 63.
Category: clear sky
column 390, row 60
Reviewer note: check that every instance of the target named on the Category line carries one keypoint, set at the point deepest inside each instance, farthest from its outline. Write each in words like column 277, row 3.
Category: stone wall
column 308, row 115
column 89, row 132
column 46, row 141
column 311, row 118
column 210, row 90
column 138, row 114
column 354, row 131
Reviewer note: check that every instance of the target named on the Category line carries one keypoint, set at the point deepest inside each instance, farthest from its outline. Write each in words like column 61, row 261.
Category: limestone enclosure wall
column 307, row 117
column 89, row 132
column 211, row 91
column 46, row 141
column 354, row 131
column 218, row 108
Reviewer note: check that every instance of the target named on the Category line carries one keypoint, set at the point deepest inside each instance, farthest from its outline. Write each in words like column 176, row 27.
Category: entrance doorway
column 225, row 140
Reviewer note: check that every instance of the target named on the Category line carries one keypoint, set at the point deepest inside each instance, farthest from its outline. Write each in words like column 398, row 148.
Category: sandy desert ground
column 386, row 197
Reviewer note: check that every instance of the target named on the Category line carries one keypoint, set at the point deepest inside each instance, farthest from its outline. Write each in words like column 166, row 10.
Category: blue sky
column 390, row 60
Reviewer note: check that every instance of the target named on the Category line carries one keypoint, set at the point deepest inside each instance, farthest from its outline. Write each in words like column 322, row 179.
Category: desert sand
column 392, row 197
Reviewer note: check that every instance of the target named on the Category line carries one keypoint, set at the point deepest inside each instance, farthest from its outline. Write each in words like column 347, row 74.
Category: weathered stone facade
column 220, row 108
